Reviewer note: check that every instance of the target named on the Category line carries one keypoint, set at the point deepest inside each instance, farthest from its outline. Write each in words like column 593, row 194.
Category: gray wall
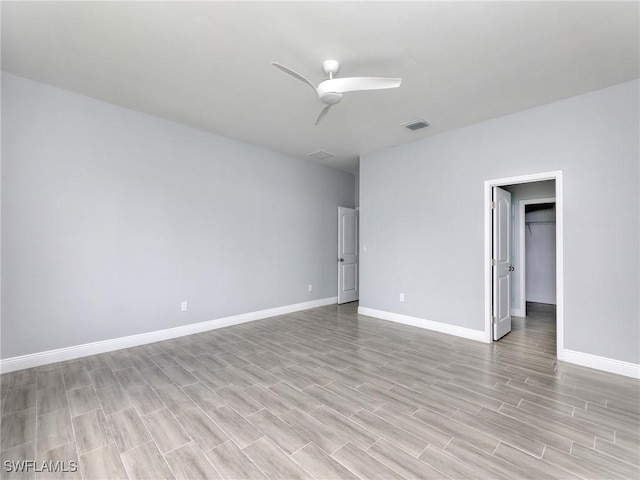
column 110, row 218
column 523, row 191
column 421, row 213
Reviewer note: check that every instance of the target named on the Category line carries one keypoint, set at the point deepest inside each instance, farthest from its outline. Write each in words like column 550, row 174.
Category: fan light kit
column 330, row 91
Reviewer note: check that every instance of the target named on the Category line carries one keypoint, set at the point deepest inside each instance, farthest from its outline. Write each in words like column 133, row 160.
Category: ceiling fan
column 330, row 91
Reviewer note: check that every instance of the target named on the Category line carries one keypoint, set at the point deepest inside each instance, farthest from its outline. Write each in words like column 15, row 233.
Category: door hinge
column 493, row 262
column 493, row 205
column 494, row 320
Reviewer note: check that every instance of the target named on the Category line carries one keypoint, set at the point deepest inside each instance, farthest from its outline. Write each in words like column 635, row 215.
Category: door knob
column 341, row 259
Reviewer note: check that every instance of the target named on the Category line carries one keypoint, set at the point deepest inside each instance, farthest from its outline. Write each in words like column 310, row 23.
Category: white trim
column 77, row 351
column 602, row 363
column 536, row 177
column 522, row 310
column 477, row 335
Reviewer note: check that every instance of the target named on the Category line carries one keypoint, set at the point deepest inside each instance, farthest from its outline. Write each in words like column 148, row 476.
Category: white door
column 347, row 255
column 501, row 263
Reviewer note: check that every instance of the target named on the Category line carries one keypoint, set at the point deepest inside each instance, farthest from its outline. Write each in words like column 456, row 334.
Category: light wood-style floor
column 326, row 394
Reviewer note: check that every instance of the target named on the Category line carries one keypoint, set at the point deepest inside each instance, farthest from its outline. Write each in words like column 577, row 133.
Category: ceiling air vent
column 321, row 155
column 416, row 124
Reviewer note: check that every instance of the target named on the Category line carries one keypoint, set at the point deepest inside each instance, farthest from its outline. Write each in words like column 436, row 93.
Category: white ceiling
column 208, row 64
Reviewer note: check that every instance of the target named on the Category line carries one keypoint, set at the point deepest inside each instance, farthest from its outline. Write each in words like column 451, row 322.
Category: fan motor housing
column 330, row 98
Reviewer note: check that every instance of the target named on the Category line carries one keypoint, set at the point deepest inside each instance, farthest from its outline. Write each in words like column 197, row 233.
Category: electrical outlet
column 402, row 297
column 310, row 287
column 184, row 306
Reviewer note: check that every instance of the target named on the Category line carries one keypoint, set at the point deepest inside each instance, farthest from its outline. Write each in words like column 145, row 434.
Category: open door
column 347, row 255
column 501, row 262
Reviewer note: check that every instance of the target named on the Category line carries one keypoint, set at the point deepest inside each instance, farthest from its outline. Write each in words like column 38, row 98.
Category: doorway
column 537, row 252
column 490, row 273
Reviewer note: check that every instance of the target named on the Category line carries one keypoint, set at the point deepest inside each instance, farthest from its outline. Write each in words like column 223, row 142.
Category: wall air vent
column 321, row 155
column 416, row 124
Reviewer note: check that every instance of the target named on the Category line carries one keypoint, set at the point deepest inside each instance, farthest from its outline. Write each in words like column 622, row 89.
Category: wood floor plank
column 146, row 463
column 275, row 463
column 630, row 455
column 53, row 430
column 345, row 427
column 392, row 433
column 189, row 463
column 239, row 400
column 233, row 464
column 310, row 429
column 584, row 468
column 19, row 398
column 11, row 458
column 569, row 420
column 363, row 464
column 314, row 460
column 457, row 429
column 145, row 399
column 336, row 402
column 548, row 424
column 82, row 400
column 64, row 463
column 113, row 399
column 505, row 434
column 295, row 397
column 534, row 467
column 174, row 398
column 201, row 428
column 402, row 463
column 605, row 461
column 450, row 466
column 91, row 431
column 280, row 432
column 51, row 399
column 414, row 425
column 128, row 429
column 494, row 466
column 235, row 426
column 165, row 430
column 104, row 462
column 268, row 399
column 204, row 397
column 530, row 430
column 399, row 400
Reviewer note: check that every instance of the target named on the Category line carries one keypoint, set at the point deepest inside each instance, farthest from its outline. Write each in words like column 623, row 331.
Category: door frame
column 521, row 310
column 488, row 235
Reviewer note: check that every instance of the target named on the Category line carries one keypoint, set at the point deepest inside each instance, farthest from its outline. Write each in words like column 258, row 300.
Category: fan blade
column 294, row 74
column 323, row 113
column 352, row 84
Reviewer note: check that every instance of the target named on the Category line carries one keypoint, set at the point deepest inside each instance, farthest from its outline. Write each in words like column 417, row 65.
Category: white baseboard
column 478, row 335
column 78, row 351
column 600, row 363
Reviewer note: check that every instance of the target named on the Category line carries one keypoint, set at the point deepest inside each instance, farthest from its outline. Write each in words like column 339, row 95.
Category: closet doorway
column 537, row 272
column 530, row 193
